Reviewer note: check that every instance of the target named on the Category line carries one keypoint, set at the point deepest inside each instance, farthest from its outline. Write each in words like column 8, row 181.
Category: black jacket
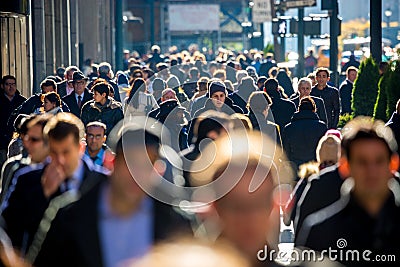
column 282, row 111
column 6, row 108
column 345, row 90
column 347, row 222
column 74, row 238
column 70, row 100
column 320, row 191
column 25, row 203
column 270, row 129
column 319, row 103
column 330, row 95
column 301, row 136
column 109, row 114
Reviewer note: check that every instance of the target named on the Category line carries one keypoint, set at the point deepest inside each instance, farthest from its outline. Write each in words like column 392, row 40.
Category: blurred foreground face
column 244, row 216
column 65, row 154
column 370, row 167
column 134, row 164
column 192, row 253
column 35, row 145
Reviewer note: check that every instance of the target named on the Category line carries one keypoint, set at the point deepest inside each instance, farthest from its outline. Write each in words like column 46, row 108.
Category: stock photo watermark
column 339, row 253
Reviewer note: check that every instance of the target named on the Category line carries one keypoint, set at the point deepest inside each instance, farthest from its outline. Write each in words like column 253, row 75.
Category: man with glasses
column 81, row 95
column 36, row 146
column 9, row 100
column 96, row 149
column 35, row 186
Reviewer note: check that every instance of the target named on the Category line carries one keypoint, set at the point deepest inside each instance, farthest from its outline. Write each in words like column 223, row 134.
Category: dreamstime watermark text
column 339, row 253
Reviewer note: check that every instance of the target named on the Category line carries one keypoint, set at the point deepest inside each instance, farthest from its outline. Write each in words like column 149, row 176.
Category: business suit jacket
column 25, row 203
column 70, row 100
column 74, row 240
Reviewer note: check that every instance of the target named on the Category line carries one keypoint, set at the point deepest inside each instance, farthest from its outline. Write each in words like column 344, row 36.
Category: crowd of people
column 79, row 160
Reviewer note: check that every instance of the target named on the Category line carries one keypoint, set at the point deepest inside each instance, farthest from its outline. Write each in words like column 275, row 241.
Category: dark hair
column 138, row 85
column 207, row 122
column 53, row 97
column 62, row 125
column 351, row 68
column 271, row 87
column 48, row 82
column 322, row 69
column 364, row 128
column 202, row 83
column 21, row 123
column 7, row 77
column 102, row 88
column 259, row 101
column 194, row 72
column 136, row 138
column 307, row 103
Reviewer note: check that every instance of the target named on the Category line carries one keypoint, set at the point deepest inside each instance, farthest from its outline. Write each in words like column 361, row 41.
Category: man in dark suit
column 115, row 221
column 81, row 95
column 35, row 186
column 346, row 89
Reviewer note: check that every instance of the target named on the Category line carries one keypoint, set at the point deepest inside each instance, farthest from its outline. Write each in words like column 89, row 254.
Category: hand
column 52, row 178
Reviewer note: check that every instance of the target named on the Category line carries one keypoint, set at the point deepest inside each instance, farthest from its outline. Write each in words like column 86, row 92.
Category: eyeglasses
column 32, row 139
column 80, row 82
column 10, row 84
column 97, row 136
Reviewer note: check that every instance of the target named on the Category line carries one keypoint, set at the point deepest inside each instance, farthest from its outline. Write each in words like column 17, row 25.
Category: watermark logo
column 287, row 254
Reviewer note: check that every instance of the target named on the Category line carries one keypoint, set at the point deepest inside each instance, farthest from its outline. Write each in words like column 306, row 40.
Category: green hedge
column 365, row 88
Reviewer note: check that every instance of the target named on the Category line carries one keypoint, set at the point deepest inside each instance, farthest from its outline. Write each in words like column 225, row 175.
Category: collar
column 82, row 95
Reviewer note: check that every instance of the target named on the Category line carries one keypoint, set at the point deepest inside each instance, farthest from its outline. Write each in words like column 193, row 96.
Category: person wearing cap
column 81, row 95
column 367, row 214
column 117, row 220
column 219, row 101
column 102, row 107
column 10, row 99
column 35, row 186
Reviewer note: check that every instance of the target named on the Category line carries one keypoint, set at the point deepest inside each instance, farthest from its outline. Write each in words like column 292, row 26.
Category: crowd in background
column 70, row 192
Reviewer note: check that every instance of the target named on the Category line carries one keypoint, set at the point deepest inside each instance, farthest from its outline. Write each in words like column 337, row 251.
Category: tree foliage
column 365, row 88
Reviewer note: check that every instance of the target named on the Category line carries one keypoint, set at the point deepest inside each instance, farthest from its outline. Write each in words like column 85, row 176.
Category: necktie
column 79, row 101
